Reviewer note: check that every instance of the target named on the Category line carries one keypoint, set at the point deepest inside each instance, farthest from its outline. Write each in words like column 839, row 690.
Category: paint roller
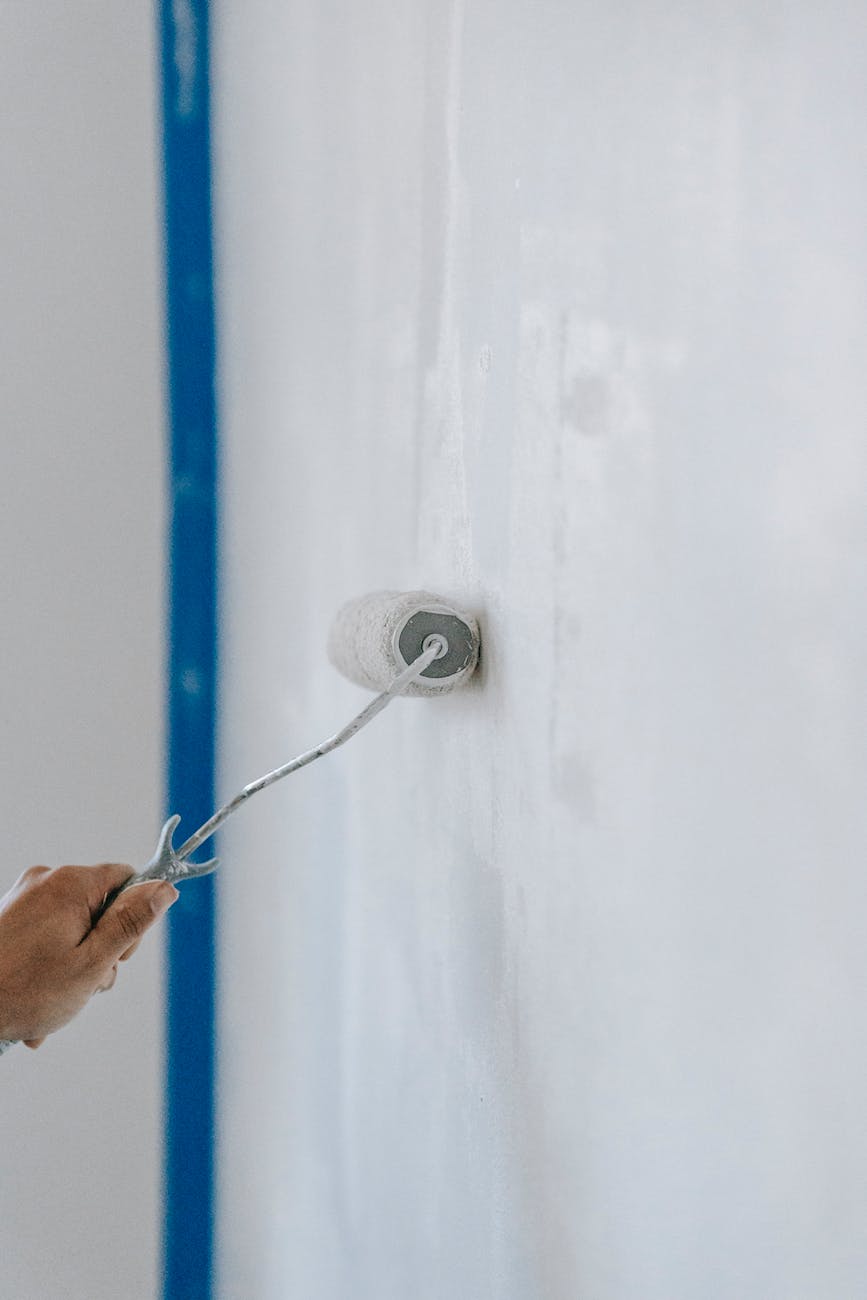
column 379, row 637
column 396, row 643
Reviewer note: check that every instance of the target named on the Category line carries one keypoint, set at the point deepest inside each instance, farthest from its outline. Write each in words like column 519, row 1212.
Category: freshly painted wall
column 553, row 989
column 81, row 605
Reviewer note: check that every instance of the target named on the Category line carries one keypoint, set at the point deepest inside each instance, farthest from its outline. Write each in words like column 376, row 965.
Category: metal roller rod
column 435, row 647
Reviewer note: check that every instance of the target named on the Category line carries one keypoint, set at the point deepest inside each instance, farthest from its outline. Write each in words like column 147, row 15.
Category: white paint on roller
column 550, row 989
column 362, row 642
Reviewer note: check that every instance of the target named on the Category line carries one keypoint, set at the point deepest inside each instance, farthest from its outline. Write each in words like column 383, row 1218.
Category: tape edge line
column 192, row 658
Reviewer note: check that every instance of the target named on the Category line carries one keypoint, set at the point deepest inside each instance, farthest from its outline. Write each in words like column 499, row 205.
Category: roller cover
column 369, row 634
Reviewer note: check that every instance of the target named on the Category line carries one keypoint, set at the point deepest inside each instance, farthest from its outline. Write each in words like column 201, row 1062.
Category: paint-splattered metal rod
column 400, row 683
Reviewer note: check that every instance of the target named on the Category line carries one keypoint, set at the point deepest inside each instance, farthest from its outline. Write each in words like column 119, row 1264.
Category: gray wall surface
column 81, row 606
column 553, row 989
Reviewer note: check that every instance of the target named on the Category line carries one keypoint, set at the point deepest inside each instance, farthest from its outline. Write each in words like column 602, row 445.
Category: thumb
column 126, row 920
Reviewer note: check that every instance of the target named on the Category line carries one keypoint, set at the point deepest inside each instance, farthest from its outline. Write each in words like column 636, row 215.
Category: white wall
column 552, row 989
column 81, row 606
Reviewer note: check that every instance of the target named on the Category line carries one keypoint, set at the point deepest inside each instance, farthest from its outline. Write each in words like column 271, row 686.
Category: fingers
column 102, row 881
column 32, row 873
column 125, row 956
column 108, row 876
column 122, row 925
column 33, row 1043
column 88, row 887
column 108, row 980
column 29, row 877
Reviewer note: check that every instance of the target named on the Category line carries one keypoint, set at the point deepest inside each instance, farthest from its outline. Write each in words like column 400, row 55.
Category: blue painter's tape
column 192, row 659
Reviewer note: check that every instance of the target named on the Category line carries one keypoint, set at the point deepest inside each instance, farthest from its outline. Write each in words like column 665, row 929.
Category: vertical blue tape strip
column 192, row 685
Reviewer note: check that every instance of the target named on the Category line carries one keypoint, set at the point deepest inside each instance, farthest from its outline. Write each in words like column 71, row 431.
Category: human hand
column 57, row 946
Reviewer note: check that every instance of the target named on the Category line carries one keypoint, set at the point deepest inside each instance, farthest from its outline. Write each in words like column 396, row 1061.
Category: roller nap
column 375, row 637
